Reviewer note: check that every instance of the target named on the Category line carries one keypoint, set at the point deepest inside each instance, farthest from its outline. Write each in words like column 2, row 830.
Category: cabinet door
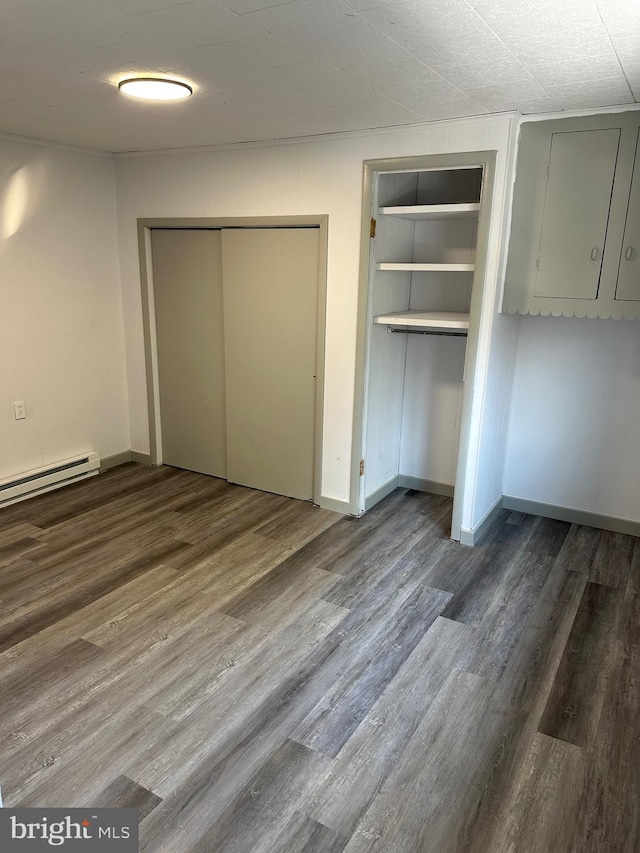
column 576, row 212
column 629, row 273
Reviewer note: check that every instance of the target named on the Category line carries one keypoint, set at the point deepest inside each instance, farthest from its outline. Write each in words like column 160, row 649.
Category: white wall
column 321, row 176
column 61, row 325
column 574, row 438
column 499, row 336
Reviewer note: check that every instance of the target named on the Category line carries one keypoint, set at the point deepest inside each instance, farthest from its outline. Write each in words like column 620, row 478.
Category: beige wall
column 61, row 327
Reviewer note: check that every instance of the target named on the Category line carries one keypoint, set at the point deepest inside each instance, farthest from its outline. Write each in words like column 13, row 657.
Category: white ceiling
column 268, row 69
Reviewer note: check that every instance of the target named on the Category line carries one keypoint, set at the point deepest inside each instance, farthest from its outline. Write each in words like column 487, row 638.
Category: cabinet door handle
column 629, row 253
column 595, row 252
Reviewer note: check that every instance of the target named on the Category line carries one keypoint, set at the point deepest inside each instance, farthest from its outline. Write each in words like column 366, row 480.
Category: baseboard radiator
column 39, row 480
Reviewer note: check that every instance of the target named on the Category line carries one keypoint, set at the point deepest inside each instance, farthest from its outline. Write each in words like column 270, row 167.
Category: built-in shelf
column 433, row 211
column 435, row 320
column 426, row 267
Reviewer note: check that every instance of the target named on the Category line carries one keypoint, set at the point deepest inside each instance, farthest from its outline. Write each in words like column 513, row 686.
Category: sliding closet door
column 187, row 280
column 270, row 315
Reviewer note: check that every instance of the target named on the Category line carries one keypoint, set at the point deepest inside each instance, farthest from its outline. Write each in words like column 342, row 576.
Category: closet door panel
column 187, row 281
column 270, row 309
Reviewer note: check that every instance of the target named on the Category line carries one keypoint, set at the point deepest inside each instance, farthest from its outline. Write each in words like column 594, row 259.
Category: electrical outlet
column 19, row 410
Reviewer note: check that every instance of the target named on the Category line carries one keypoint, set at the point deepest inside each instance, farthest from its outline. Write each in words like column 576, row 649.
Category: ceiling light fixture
column 155, row 88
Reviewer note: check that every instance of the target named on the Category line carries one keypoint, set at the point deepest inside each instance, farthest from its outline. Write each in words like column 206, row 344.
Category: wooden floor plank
column 435, row 798
column 78, row 587
column 629, row 630
column 44, row 511
column 367, row 758
column 505, row 614
column 484, row 573
column 81, row 621
column 372, row 666
column 575, row 703
column 77, row 768
column 634, row 573
column 579, row 549
column 239, row 515
column 270, row 798
column 609, row 817
column 211, row 756
column 125, row 677
column 16, row 531
column 548, row 537
column 543, row 814
column 247, row 699
column 124, row 793
column 24, row 688
column 17, row 548
column 613, row 559
column 531, row 669
column 382, row 549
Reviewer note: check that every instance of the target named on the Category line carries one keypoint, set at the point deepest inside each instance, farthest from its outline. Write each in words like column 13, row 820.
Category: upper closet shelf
column 433, row 211
column 426, row 267
column 435, row 320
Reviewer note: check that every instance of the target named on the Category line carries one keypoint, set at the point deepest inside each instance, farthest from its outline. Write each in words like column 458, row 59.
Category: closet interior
column 421, row 275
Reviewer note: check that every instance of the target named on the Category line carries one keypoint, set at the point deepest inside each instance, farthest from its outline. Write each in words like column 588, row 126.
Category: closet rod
column 427, row 332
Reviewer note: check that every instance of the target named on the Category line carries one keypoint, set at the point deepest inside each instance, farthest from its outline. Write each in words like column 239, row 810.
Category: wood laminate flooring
column 258, row 675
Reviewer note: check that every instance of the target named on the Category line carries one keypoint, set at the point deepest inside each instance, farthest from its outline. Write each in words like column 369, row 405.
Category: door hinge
column 538, row 263
column 548, row 170
column 362, row 467
column 372, row 230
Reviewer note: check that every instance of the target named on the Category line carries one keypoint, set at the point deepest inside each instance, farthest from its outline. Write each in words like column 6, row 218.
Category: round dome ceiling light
column 155, row 88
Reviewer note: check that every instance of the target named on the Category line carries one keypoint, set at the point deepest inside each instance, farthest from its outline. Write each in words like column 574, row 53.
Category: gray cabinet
column 576, row 213
column 628, row 286
column 575, row 227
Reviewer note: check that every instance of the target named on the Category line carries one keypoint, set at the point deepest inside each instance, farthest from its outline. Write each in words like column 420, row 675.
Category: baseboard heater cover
column 39, row 480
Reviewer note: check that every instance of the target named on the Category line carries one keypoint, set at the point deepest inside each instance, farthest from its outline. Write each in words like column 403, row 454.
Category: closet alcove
column 423, row 277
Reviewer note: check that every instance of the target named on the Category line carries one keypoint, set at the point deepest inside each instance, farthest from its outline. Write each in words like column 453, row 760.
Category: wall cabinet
column 575, row 232
column 421, row 277
column 628, row 284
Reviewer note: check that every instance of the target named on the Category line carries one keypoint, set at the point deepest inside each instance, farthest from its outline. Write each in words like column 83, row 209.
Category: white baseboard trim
column 404, row 481
column 379, row 494
column 115, row 460
column 473, row 537
column 561, row 513
column 122, row 458
column 420, row 485
column 336, row 505
column 574, row 516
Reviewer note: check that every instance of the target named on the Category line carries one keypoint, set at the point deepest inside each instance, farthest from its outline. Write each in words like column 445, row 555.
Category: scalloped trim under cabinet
column 433, row 211
column 435, row 320
column 426, row 267
column 597, row 311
